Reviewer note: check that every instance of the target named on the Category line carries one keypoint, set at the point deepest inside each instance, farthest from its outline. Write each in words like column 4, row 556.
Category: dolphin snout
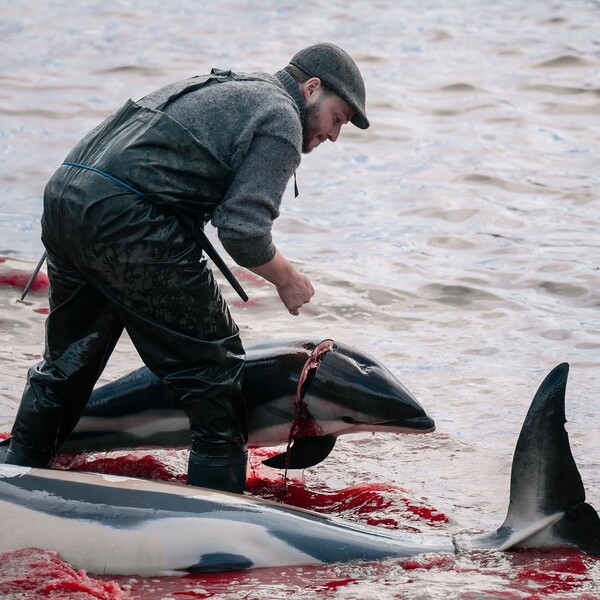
column 423, row 424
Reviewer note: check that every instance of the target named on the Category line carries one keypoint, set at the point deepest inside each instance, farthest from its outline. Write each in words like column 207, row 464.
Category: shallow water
column 456, row 240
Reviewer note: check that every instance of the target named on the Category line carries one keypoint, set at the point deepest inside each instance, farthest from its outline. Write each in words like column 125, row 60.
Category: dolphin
column 301, row 393
column 122, row 526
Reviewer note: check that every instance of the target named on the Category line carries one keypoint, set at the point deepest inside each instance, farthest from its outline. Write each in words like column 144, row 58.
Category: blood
column 19, row 279
column 248, row 277
column 555, row 571
column 35, row 573
column 382, row 505
column 426, row 513
column 249, row 302
column 130, row 465
column 304, row 424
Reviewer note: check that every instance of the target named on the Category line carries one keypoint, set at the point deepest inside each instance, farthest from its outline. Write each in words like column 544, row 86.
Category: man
column 122, row 225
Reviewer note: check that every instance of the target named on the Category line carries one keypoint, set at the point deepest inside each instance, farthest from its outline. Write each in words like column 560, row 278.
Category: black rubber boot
column 226, row 473
column 17, row 455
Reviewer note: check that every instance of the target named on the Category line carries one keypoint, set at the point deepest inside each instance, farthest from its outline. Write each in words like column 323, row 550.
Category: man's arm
column 294, row 288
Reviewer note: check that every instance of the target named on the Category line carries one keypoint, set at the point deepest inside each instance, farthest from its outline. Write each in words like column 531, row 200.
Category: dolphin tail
column 547, row 498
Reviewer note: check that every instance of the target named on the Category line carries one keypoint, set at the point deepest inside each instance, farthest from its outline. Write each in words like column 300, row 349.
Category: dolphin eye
column 349, row 420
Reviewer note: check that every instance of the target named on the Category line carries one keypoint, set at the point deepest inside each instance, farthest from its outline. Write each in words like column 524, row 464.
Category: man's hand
column 295, row 293
column 294, row 288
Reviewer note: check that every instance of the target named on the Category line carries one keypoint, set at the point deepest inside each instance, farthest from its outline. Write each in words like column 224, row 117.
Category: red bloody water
column 19, row 279
column 247, row 279
column 41, row 573
column 560, row 574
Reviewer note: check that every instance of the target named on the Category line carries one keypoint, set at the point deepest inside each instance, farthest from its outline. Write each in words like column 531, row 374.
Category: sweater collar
column 291, row 87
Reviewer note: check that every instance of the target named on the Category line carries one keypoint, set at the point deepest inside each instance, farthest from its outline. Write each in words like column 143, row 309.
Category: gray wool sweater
column 254, row 127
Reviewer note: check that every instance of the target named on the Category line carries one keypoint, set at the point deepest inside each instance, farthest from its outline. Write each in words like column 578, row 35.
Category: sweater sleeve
column 245, row 216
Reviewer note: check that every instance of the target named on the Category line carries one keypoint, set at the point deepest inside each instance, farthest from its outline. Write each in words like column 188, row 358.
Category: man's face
column 325, row 115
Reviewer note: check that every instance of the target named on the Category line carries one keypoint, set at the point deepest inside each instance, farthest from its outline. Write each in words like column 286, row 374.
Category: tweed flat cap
column 336, row 70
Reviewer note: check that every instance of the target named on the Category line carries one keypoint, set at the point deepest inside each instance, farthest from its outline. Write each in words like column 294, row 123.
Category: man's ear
column 310, row 86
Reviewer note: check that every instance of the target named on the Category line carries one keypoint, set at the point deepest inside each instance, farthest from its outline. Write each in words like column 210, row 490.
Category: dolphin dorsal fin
column 544, row 478
column 547, row 497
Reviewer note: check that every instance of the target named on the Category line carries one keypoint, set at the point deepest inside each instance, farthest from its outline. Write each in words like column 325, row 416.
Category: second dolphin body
column 115, row 525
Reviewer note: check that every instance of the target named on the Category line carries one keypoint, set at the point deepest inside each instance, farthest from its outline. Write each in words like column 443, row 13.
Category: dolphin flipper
column 305, row 452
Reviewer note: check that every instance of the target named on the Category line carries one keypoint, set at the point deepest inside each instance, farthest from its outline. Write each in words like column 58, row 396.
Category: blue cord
column 72, row 164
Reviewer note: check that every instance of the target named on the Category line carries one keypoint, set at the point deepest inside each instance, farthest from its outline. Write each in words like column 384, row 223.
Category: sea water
column 456, row 240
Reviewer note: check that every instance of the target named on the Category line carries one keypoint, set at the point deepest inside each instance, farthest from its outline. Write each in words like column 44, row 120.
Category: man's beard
column 311, row 119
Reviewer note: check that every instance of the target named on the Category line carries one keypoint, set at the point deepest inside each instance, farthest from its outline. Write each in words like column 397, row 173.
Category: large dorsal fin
column 544, row 478
column 547, row 498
